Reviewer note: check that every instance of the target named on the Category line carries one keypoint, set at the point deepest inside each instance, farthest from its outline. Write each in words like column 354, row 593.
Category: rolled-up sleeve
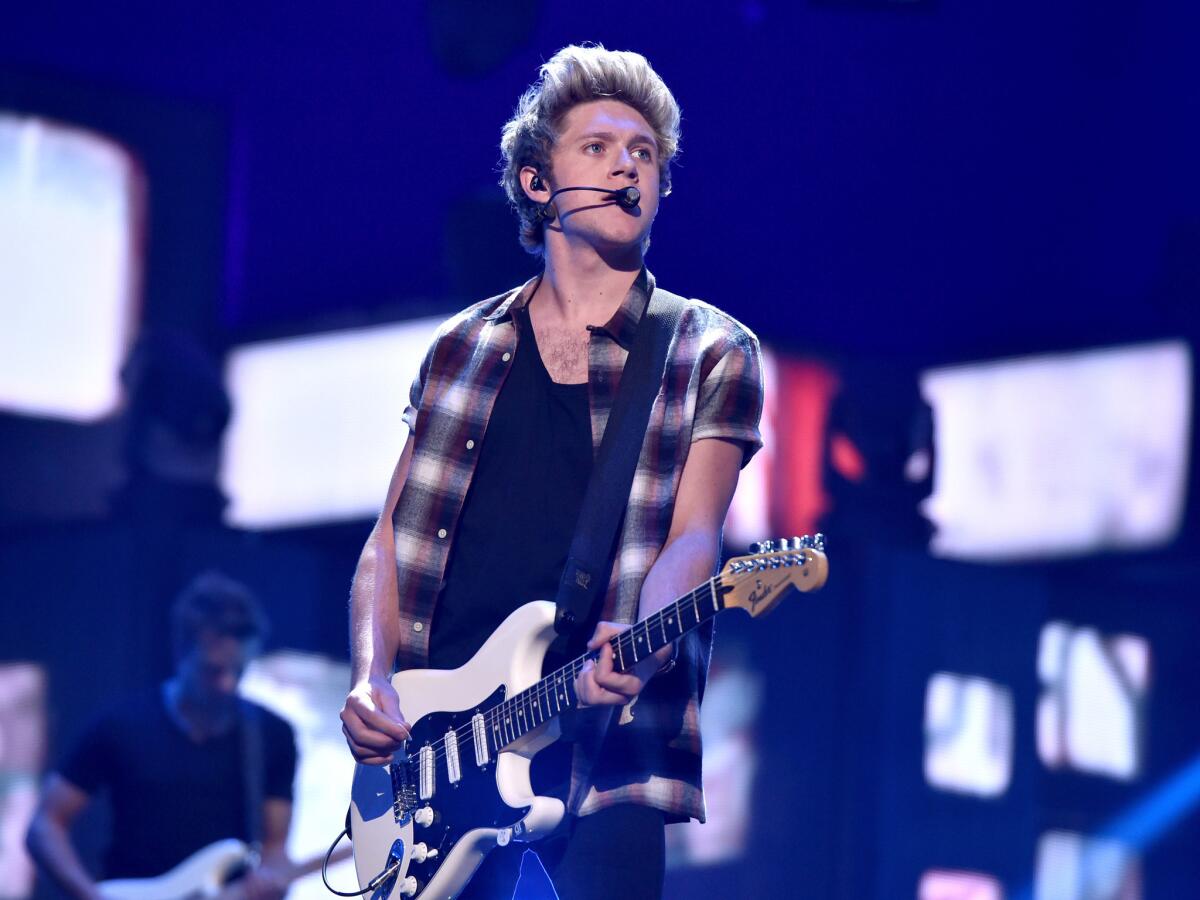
column 730, row 399
column 416, row 390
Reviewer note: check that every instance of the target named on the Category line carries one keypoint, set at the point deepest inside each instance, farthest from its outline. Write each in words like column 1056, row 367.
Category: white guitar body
column 202, row 874
column 510, row 660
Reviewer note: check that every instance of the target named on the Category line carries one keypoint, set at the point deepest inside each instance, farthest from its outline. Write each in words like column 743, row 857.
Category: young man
column 185, row 764
column 506, row 413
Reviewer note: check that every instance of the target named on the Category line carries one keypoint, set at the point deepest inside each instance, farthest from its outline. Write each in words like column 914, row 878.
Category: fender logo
column 760, row 593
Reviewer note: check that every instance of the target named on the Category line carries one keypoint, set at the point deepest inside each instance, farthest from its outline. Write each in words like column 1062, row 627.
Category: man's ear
column 536, row 188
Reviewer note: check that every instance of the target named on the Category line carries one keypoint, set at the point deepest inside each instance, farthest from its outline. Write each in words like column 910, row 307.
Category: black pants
column 619, row 850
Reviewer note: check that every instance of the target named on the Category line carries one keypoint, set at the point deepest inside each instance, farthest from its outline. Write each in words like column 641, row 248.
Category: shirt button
column 442, row 535
column 506, row 357
column 470, row 445
column 418, row 627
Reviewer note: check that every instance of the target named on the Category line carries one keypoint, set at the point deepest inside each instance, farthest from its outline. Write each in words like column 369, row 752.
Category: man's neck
column 582, row 287
column 195, row 721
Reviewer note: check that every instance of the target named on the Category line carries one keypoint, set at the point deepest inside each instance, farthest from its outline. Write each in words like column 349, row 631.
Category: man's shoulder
column 136, row 706
column 705, row 319
column 270, row 721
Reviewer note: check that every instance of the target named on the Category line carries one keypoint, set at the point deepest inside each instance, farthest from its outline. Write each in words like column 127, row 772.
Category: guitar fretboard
column 519, row 714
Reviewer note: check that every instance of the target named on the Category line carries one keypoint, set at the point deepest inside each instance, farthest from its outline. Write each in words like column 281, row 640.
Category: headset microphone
column 626, row 198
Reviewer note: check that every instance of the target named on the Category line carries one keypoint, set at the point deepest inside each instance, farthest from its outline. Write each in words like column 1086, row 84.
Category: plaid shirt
column 712, row 389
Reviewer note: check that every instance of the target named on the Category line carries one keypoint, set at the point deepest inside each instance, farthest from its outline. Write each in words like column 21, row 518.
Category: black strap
column 253, row 764
column 590, row 560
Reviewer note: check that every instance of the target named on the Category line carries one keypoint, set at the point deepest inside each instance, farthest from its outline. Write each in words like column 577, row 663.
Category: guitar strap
column 252, row 772
column 589, row 565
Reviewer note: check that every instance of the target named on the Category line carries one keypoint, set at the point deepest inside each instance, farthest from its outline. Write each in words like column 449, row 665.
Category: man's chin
column 219, row 706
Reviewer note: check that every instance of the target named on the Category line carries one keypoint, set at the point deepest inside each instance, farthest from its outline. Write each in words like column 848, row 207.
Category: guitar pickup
column 427, row 773
column 453, row 768
column 479, row 733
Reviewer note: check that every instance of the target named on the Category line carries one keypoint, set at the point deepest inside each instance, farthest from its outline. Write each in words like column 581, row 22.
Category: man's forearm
column 50, row 846
column 684, row 562
column 374, row 610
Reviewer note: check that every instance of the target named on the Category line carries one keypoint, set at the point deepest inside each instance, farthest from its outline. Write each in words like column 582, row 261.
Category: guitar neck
column 555, row 693
column 755, row 584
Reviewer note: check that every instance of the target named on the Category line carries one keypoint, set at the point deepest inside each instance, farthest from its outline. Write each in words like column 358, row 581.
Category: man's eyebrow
column 609, row 136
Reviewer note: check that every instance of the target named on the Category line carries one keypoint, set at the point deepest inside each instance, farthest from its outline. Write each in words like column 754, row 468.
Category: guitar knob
column 424, row 816
column 784, row 545
column 421, row 852
column 409, row 886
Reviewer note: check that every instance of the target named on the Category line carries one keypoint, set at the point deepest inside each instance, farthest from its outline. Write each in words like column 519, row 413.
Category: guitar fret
column 712, row 587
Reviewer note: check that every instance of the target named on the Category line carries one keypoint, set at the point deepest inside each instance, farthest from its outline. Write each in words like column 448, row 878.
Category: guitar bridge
column 404, row 797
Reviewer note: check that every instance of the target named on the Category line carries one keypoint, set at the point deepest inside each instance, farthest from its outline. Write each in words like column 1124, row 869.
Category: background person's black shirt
column 170, row 795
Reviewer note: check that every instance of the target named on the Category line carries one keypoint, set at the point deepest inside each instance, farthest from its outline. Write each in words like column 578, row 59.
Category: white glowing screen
column 1090, row 714
column 1073, row 866
column 68, row 268
column 732, row 702
column 968, row 735
column 307, row 690
column 1060, row 454
column 316, row 427
column 22, row 755
column 950, row 884
column 748, row 519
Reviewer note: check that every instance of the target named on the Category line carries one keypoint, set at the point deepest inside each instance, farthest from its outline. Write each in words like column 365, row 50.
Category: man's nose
column 626, row 165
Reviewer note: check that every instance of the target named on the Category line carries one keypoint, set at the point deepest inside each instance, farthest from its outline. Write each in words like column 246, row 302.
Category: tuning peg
column 811, row 542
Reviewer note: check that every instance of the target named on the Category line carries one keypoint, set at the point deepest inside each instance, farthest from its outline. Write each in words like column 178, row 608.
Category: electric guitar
column 206, row 873
column 459, row 786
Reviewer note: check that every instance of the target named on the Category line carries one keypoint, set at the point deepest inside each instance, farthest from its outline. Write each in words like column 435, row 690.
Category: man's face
column 209, row 674
column 605, row 144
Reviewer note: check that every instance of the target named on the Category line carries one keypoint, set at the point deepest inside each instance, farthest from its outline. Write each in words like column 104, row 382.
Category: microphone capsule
column 628, row 197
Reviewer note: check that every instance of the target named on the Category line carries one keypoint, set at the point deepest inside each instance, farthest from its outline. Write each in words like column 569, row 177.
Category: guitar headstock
column 758, row 581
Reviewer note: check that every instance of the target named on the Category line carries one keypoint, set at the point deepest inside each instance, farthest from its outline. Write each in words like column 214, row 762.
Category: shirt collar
column 621, row 327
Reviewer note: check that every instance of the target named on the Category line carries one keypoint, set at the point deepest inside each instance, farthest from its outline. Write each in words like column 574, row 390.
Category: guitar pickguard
column 485, row 805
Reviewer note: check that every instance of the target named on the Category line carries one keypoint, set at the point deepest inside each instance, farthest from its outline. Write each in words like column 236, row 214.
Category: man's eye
column 594, row 148
column 642, row 153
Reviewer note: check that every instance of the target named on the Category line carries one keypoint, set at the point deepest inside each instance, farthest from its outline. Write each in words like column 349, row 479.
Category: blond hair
column 574, row 75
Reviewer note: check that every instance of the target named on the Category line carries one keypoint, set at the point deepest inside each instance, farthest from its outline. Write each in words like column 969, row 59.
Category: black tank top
column 520, row 511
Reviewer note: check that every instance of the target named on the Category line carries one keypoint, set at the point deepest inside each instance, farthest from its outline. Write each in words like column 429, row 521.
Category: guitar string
column 465, row 734
column 541, row 690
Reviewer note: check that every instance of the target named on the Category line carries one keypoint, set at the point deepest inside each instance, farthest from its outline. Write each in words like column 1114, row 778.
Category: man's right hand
column 372, row 721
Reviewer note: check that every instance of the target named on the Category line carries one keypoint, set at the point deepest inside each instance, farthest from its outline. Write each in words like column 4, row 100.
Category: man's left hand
column 599, row 685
